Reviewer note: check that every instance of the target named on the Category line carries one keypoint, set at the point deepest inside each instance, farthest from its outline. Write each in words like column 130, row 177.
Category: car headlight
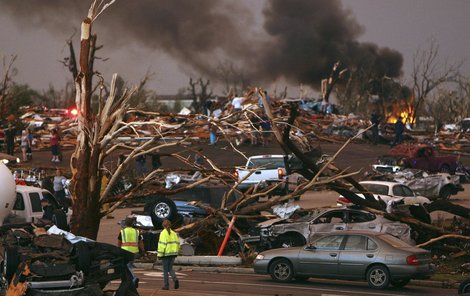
column 259, row 257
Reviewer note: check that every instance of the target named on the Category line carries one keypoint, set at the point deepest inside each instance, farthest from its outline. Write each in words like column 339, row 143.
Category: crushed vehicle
column 387, row 191
column 433, row 186
column 265, row 170
column 161, row 208
column 58, row 263
column 303, row 226
column 53, row 262
column 423, row 157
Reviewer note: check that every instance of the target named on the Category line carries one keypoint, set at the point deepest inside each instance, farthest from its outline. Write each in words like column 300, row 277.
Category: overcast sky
column 401, row 25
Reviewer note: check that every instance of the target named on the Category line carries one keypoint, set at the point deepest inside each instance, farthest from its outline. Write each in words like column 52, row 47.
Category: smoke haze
column 300, row 39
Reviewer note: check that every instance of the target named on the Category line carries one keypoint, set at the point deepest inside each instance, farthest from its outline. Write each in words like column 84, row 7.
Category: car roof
column 267, row 156
column 388, row 183
column 25, row 188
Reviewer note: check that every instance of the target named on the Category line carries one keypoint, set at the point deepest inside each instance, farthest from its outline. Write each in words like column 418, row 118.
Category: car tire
column 281, row 270
column 464, row 287
column 378, row 277
column 445, row 193
column 400, row 283
column 59, row 219
column 290, row 240
column 161, row 208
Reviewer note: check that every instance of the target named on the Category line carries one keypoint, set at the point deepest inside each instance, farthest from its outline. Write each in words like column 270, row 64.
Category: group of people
column 131, row 240
column 399, row 128
column 27, row 141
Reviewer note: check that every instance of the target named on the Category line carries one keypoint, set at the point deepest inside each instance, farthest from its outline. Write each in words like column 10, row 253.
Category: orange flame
column 403, row 110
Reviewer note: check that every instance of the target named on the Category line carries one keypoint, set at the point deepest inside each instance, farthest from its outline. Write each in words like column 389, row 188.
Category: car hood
column 285, row 252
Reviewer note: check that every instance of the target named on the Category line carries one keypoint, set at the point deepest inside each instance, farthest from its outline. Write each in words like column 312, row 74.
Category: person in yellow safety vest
column 130, row 240
column 168, row 249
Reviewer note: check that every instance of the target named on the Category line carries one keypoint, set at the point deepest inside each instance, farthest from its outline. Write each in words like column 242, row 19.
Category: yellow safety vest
column 168, row 244
column 130, row 239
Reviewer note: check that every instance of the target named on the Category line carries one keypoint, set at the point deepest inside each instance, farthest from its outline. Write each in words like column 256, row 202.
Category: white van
column 27, row 207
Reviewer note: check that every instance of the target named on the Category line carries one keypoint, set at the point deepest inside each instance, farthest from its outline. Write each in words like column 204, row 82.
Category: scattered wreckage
column 53, row 262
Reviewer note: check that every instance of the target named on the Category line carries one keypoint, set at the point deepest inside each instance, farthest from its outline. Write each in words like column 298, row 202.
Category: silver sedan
column 379, row 258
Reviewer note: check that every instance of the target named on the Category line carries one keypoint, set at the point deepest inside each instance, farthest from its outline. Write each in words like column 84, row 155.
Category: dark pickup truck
column 424, row 157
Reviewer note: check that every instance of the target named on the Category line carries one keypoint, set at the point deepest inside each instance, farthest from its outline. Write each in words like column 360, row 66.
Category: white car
column 388, row 191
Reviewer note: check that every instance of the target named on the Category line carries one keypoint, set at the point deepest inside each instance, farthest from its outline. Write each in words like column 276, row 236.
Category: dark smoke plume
column 310, row 36
column 303, row 39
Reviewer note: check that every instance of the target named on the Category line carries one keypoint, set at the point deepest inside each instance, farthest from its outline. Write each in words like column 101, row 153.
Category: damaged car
column 56, row 262
column 432, row 186
column 388, row 192
column 300, row 228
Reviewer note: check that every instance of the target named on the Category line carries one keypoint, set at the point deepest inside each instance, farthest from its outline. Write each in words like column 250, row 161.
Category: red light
column 236, row 174
column 412, row 260
column 66, row 111
column 280, row 173
column 74, row 112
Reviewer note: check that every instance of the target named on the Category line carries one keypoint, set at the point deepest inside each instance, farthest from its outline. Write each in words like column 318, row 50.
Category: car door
column 321, row 257
column 334, row 220
column 421, row 159
column 358, row 252
column 359, row 220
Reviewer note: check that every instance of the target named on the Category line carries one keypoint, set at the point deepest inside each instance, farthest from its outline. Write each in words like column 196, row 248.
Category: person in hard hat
column 131, row 240
column 168, row 250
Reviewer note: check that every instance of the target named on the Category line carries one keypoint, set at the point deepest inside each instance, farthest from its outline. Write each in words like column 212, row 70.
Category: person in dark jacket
column 10, row 134
column 399, row 129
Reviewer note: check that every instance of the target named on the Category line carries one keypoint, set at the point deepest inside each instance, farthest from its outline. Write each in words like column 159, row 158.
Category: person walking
column 168, row 249
column 25, row 144
column 130, row 239
column 55, row 149
column 399, row 129
column 59, row 190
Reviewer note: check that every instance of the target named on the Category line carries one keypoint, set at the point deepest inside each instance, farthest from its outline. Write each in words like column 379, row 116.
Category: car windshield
column 267, row 163
column 393, row 241
column 374, row 188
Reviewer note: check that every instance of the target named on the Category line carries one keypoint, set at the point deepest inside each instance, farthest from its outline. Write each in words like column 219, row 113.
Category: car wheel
column 281, row 270
column 59, row 219
column 378, row 277
column 445, row 193
column 160, row 209
column 464, row 287
column 290, row 240
column 445, row 169
column 400, row 283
